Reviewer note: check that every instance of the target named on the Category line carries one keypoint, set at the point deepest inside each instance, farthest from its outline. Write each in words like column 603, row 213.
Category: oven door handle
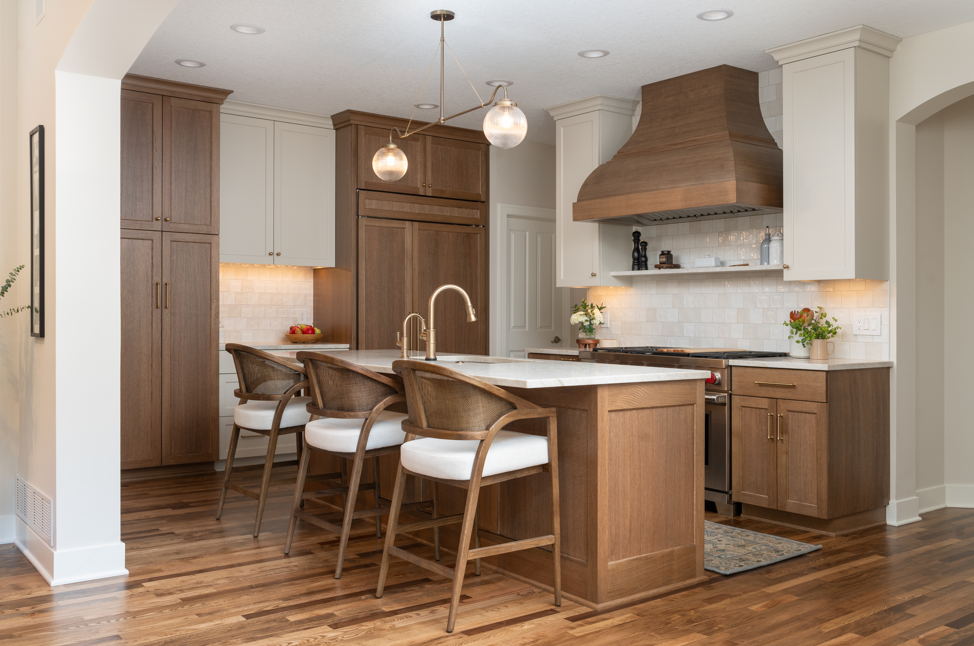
column 716, row 399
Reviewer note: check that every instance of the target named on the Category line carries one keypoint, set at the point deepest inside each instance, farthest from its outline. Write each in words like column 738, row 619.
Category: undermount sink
column 476, row 358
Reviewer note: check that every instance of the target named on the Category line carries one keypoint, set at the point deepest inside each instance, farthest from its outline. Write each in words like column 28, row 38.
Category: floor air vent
column 35, row 509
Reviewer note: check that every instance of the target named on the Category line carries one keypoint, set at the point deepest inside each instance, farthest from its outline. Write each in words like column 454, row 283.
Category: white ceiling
column 325, row 56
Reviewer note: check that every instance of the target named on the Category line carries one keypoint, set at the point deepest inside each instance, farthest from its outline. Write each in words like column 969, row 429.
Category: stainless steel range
column 719, row 391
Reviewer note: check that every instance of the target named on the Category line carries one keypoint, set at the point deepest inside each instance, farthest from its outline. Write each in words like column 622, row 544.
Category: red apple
column 294, row 330
column 308, row 329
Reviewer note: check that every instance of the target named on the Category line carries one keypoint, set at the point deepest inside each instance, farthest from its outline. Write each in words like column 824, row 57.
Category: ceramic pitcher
column 820, row 349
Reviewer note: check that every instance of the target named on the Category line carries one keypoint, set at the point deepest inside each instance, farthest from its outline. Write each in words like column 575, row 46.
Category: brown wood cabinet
column 170, row 213
column 818, row 460
column 396, row 242
column 170, row 340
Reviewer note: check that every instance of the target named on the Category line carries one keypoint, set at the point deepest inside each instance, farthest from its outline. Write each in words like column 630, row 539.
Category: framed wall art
column 37, row 231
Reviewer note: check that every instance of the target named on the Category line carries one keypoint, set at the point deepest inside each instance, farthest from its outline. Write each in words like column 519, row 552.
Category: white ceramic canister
column 776, row 250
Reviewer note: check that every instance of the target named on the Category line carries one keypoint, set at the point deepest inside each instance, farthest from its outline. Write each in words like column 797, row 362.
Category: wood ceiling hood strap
column 701, row 150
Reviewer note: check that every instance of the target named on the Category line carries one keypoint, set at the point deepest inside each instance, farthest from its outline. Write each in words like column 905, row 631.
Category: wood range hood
column 701, row 151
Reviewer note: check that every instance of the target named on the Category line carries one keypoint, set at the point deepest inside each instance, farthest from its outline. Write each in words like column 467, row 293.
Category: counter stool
column 349, row 420
column 460, row 420
column 268, row 406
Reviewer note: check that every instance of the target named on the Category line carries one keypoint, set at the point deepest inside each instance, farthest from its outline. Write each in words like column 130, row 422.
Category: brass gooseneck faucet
column 430, row 335
column 403, row 341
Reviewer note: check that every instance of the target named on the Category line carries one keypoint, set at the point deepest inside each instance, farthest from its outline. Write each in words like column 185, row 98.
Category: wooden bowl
column 304, row 338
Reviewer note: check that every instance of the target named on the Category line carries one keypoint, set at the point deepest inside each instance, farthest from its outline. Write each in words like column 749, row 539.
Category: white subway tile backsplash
column 258, row 303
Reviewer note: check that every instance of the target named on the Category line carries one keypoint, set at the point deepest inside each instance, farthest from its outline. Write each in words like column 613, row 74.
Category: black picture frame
column 37, row 232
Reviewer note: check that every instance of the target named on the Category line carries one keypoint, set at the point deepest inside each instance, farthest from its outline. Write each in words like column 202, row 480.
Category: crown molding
column 863, row 37
column 601, row 102
column 150, row 85
column 242, row 109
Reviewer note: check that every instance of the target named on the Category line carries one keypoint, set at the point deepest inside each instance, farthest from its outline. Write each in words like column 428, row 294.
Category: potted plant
column 811, row 331
column 586, row 316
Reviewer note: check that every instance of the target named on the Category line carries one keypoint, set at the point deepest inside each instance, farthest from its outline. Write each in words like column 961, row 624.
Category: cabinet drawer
column 552, row 357
column 226, row 363
column 803, row 385
column 421, row 209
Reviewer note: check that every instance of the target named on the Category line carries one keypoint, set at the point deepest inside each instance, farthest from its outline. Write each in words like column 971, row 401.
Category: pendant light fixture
column 505, row 125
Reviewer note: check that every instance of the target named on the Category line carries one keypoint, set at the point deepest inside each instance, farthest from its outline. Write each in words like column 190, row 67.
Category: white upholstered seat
column 341, row 435
column 453, row 459
column 259, row 415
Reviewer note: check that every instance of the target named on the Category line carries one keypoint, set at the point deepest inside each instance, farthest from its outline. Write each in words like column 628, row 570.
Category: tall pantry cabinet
column 170, row 224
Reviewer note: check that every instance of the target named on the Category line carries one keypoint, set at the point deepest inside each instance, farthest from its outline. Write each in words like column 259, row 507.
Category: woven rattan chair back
column 340, row 386
column 260, row 375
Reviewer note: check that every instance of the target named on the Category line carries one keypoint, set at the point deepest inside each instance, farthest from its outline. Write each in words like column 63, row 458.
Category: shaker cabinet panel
column 384, row 281
column 456, row 169
column 754, row 447
column 191, row 166
column 304, row 195
column 802, row 463
column 246, row 190
column 141, row 161
column 371, row 140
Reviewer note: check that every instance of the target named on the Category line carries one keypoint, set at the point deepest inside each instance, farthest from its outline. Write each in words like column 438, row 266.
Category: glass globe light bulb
column 505, row 125
column 390, row 163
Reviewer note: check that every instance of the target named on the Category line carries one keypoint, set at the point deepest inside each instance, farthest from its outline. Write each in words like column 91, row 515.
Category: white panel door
column 534, row 317
column 304, row 195
column 246, row 190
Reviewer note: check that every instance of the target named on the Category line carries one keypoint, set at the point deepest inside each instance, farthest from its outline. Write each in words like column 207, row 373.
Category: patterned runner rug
column 729, row 550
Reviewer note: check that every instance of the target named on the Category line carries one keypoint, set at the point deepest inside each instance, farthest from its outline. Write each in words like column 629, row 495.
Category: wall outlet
column 866, row 326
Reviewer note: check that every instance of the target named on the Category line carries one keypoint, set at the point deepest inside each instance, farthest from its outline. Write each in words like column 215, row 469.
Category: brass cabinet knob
column 270, row 253
column 593, row 273
column 159, row 218
column 278, row 253
column 785, row 267
column 167, row 219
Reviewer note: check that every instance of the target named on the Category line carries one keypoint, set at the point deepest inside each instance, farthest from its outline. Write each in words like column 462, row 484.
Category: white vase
column 798, row 351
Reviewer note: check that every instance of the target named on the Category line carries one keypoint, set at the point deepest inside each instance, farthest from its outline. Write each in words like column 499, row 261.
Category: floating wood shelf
column 662, row 273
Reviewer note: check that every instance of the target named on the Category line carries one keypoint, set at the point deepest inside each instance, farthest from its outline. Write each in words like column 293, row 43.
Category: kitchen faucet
column 430, row 335
column 403, row 341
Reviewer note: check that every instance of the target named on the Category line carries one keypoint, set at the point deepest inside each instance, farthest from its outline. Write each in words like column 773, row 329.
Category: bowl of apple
column 302, row 333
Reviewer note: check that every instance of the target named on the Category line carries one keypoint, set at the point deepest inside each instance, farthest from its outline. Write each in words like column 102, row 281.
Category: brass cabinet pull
column 779, row 426
column 771, row 383
column 157, row 295
column 769, row 426
column 593, row 273
column 167, row 296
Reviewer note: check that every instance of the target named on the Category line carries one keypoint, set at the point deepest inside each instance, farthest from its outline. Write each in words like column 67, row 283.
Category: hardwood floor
column 195, row 580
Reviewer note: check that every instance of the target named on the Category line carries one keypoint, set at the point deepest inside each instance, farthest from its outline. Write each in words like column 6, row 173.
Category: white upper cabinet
column 277, row 187
column 588, row 133
column 836, row 155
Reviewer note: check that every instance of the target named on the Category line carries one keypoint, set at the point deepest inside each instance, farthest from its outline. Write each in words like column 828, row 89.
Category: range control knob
column 714, row 378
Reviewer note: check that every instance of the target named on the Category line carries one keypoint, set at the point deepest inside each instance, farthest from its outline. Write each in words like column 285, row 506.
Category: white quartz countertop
column 292, row 346
column 569, row 351
column 528, row 373
column 791, row 363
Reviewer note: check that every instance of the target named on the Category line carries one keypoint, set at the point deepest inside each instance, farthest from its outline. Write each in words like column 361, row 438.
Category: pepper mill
column 643, row 258
column 636, row 257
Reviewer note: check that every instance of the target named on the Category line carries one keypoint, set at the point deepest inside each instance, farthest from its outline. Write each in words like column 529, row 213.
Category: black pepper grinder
column 636, row 257
column 643, row 258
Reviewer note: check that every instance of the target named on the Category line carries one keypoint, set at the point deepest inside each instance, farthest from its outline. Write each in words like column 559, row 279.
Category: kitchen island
column 630, row 450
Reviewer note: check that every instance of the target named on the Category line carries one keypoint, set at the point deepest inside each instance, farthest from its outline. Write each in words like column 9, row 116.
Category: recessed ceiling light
column 426, row 106
column 593, row 53
column 250, row 30
column 188, row 63
column 716, row 14
column 500, row 83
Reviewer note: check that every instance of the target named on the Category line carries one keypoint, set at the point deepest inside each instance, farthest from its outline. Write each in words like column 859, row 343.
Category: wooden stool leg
column 351, row 499
column 391, row 529
column 231, row 452
column 343, row 468
column 476, row 541
column 436, row 514
column 375, row 495
column 469, row 516
column 266, row 481
column 555, row 505
column 298, row 498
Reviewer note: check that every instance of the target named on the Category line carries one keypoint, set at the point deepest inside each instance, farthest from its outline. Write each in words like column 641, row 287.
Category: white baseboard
column 60, row 567
column 903, row 512
column 932, row 498
column 7, row 529
column 961, row 496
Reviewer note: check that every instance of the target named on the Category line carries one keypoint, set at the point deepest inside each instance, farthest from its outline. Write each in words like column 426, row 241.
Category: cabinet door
column 370, row 140
column 754, row 451
column 191, row 166
column 384, row 281
column 246, row 190
column 140, row 329
column 456, row 169
column 802, row 451
column 190, row 342
column 141, row 161
column 577, row 262
column 456, row 255
column 304, row 195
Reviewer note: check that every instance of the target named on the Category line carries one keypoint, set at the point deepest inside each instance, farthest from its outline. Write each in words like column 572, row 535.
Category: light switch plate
column 605, row 317
column 866, row 326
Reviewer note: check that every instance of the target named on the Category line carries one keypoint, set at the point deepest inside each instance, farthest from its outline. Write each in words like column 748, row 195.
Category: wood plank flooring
column 198, row 581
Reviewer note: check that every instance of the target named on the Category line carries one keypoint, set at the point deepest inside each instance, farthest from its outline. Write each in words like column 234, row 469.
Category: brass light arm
column 444, row 120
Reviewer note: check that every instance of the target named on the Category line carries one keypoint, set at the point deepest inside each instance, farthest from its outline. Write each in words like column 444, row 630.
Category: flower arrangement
column 807, row 325
column 586, row 316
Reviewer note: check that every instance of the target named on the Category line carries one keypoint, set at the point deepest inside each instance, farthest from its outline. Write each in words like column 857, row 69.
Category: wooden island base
column 828, row 526
column 631, row 480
